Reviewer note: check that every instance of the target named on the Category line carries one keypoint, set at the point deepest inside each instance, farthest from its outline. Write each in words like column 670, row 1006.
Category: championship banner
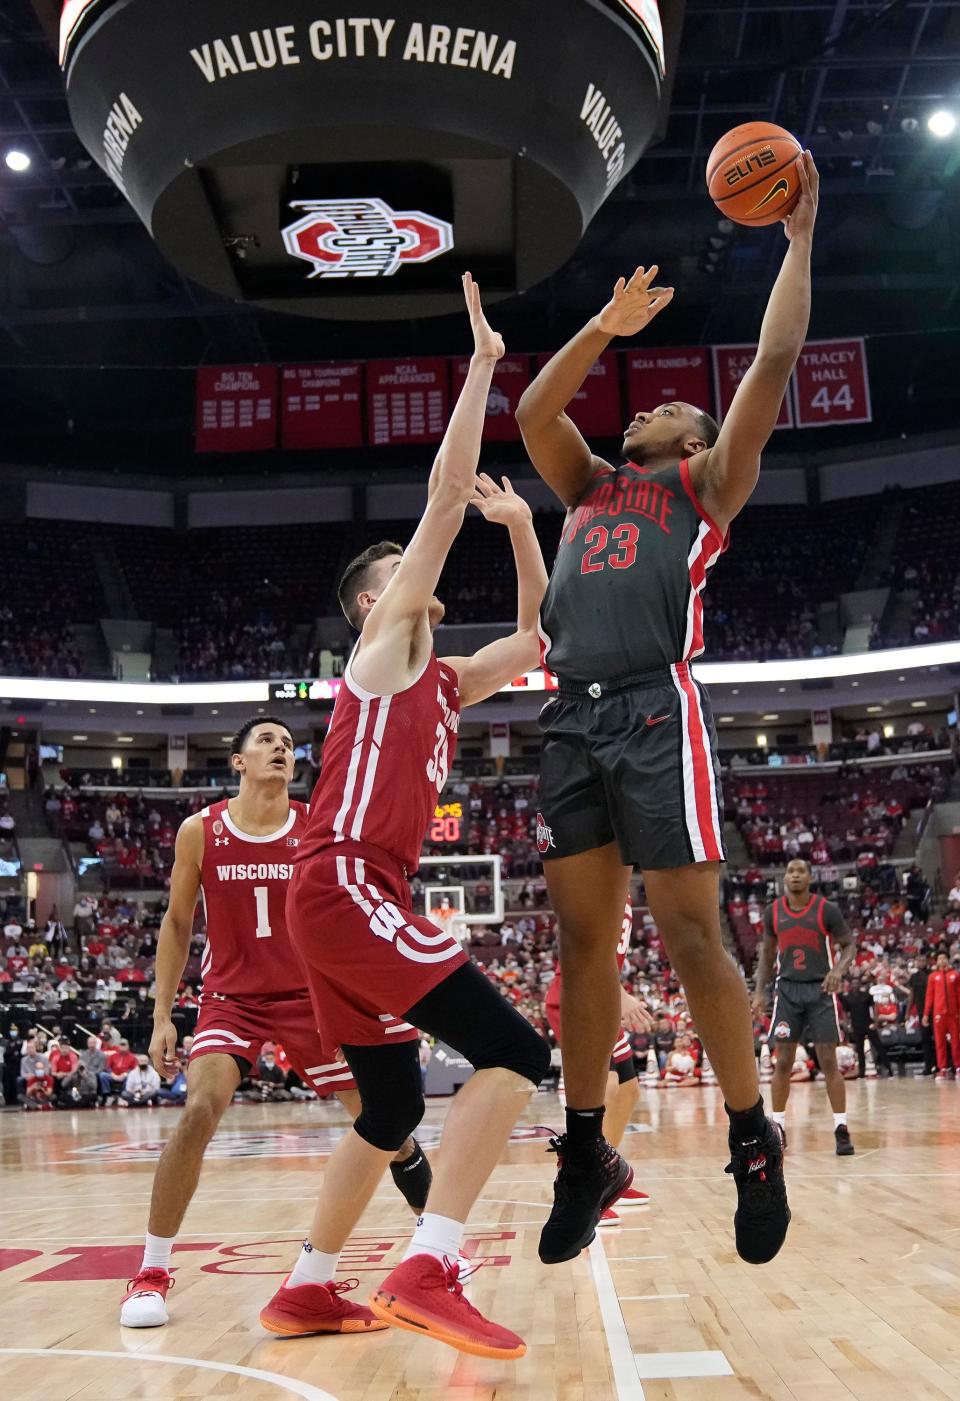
column 236, row 408
column 831, row 383
column 730, row 364
column 510, row 378
column 668, row 375
column 596, row 408
column 322, row 406
column 407, row 401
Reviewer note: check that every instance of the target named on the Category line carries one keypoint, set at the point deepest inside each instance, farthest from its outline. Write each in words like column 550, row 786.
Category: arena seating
column 49, row 584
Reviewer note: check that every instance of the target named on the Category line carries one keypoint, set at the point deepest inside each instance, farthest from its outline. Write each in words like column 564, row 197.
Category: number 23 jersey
column 626, row 593
column 243, row 886
column 385, row 762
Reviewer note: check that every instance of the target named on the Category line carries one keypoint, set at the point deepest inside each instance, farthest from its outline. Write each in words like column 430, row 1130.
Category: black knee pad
column 468, row 1013
column 389, row 1082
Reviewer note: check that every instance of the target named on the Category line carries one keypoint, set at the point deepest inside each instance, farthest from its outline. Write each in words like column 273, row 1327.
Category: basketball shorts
column 804, row 1012
column 239, row 1027
column 622, row 1062
column 635, row 763
column 369, row 957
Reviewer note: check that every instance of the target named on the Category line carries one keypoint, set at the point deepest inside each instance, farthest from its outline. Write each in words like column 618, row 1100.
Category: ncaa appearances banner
column 408, row 401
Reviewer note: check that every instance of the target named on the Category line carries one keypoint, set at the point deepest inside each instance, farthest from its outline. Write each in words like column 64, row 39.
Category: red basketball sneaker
column 609, row 1217
column 426, row 1297
column 297, row 1310
column 632, row 1197
column 144, row 1304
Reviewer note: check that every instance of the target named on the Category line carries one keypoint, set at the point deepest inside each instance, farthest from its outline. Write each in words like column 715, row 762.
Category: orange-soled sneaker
column 145, row 1303
column 426, row 1297
column 298, row 1310
column 633, row 1197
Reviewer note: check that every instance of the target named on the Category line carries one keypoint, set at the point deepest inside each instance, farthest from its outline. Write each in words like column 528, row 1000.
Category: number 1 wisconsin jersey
column 385, row 763
column 243, row 885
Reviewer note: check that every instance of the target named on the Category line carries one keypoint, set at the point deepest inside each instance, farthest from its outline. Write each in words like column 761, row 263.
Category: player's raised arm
column 173, row 944
column 726, row 474
column 556, row 447
column 494, row 666
column 451, row 486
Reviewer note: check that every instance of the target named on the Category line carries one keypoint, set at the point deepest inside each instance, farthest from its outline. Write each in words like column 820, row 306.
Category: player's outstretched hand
column 486, row 343
column 501, row 505
column 634, row 304
column 803, row 216
column 163, row 1048
column 634, row 1015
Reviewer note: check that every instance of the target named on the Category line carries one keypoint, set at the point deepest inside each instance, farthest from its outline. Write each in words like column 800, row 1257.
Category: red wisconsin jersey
column 243, row 884
column 385, row 763
column 623, row 948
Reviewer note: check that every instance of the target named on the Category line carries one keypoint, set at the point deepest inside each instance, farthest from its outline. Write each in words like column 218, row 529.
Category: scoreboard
column 450, row 825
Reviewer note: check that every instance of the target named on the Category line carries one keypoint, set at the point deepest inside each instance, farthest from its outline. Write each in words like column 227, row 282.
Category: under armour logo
column 221, row 841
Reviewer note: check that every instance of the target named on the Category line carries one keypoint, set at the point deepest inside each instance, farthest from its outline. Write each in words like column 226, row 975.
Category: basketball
column 752, row 174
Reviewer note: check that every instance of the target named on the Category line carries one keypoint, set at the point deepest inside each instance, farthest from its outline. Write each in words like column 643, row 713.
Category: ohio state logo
column 781, row 1031
column 363, row 237
column 544, row 836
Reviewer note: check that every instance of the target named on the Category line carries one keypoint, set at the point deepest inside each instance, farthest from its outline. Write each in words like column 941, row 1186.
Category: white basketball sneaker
column 145, row 1303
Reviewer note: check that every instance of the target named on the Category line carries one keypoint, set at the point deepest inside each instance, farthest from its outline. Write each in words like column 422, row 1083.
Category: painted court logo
column 544, row 836
column 363, row 237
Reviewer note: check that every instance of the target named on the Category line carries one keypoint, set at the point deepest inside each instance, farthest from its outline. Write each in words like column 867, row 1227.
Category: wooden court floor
column 864, row 1300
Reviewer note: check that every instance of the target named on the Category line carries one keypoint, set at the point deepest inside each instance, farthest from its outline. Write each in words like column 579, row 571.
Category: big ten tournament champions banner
column 384, row 403
column 311, row 160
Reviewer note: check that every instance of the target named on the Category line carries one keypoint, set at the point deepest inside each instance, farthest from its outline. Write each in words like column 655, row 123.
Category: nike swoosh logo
column 656, row 720
column 780, row 188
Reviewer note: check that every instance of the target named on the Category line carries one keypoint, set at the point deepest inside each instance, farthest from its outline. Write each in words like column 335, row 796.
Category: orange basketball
column 752, row 174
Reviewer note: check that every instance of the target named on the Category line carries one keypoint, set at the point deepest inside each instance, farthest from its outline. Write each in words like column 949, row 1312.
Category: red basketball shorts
column 369, row 958
column 239, row 1026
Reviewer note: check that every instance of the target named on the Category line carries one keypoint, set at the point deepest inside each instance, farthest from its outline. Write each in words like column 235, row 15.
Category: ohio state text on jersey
column 243, row 885
column 385, row 762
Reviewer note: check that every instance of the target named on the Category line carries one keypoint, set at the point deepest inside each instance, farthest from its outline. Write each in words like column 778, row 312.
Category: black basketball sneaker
column 413, row 1177
column 845, row 1148
column 587, row 1182
column 762, row 1216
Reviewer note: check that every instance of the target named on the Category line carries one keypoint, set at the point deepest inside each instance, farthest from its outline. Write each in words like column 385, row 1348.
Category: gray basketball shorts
column 804, row 1012
column 635, row 763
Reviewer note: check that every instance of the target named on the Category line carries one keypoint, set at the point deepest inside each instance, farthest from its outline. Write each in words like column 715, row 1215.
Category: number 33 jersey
column 243, row 886
column 385, row 762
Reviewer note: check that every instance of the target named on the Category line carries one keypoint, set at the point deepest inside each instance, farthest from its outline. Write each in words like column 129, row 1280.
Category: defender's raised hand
column 501, row 505
column 486, row 343
column 634, row 304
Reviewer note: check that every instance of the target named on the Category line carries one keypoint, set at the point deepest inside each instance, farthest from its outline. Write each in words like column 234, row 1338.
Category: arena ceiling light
column 18, row 161
column 942, row 123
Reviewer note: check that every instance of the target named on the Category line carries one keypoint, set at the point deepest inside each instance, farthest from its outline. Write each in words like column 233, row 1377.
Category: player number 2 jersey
column 243, row 885
column 626, row 593
column 386, row 760
column 805, row 938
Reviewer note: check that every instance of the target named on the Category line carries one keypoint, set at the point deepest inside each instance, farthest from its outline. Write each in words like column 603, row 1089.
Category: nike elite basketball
column 752, row 175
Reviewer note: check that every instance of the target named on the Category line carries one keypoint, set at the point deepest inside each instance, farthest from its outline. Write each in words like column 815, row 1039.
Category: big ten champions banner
column 310, row 160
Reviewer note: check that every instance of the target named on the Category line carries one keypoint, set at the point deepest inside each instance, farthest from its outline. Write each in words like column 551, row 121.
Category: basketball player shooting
column 629, row 773
column 800, row 930
column 238, row 855
column 377, row 970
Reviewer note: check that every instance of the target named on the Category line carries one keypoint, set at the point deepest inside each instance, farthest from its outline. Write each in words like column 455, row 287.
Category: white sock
column 156, row 1252
column 438, row 1236
column 839, row 1119
column 779, row 1116
column 313, row 1267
